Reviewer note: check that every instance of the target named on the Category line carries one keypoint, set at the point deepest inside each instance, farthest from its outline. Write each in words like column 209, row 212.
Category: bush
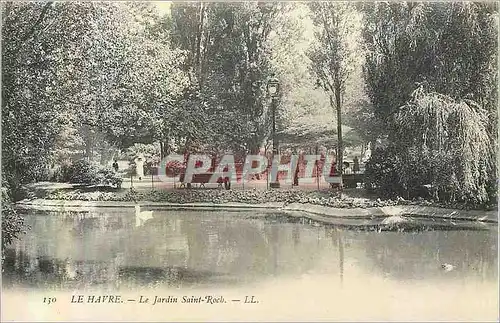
column 12, row 223
column 108, row 177
column 84, row 172
column 131, row 170
column 381, row 174
column 150, row 166
column 62, row 174
column 440, row 149
column 445, row 143
column 405, row 172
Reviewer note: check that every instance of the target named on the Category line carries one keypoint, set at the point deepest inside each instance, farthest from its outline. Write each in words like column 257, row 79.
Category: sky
column 163, row 6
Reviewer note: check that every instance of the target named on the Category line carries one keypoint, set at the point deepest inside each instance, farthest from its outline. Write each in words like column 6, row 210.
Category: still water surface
column 114, row 250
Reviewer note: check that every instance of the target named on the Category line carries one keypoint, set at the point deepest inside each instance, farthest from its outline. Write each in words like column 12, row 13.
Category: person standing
column 297, row 170
column 355, row 167
column 346, row 168
column 115, row 166
column 139, row 166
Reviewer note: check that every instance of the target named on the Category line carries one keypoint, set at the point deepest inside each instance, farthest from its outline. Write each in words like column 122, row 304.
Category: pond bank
column 356, row 208
column 313, row 211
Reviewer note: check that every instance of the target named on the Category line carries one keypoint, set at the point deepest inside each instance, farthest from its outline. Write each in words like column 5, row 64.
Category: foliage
column 381, row 173
column 79, row 74
column 61, row 174
column 362, row 118
column 87, row 173
column 12, row 222
column 228, row 62
column 445, row 133
column 449, row 47
column 129, row 78
column 442, row 144
column 82, row 171
column 150, row 153
column 107, row 177
column 452, row 138
column 31, row 106
column 305, row 109
column 334, row 55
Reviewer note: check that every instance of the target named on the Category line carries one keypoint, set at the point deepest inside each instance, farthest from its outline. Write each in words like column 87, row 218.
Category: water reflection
column 186, row 249
column 420, row 256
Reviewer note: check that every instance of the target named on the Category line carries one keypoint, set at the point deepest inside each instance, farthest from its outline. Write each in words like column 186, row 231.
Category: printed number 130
column 49, row 300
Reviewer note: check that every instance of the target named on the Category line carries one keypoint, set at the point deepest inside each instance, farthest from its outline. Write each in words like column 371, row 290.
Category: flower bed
column 253, row 196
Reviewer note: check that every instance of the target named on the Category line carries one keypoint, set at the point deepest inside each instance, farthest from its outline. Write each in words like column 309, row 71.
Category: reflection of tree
column 341, row 257
column 296, row 235
column 22, row 269
column 245, row 247
column 183, row 247
column 197, row 242
column 337, row 240
column 155, row 244
column 275, row 239
column 249, row 248
column 414, row 256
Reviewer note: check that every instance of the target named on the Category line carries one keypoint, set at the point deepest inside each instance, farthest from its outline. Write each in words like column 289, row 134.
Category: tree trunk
column 198, row 45
column 88, row 142
column 340, row 146
column 167, row 148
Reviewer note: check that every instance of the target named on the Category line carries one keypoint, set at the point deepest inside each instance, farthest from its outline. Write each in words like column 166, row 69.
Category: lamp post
column 273, row 91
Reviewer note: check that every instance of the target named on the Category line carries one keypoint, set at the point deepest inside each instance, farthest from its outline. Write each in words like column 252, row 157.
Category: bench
column 204, row 178
column 350, row 180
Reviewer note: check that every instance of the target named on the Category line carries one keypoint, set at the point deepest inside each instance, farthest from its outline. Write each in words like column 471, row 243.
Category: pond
column 297, row 270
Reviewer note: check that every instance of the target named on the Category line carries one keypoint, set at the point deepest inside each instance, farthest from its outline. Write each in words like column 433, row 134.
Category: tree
column 228, row 63
column 86, row 71
column 333, row 56
column 450, row 51
column 129, row 79
column 32, row 113
column 448, row 47
column 445, row 143
column 34, row 96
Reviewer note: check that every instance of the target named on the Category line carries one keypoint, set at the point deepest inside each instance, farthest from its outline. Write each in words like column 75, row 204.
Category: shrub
column 440, row 148
column 449, row 138
column 150, row 166
column 86, row 173
column 62, row 174
column 12, row 223
column 131, row 170
column 108, row 177
column 381, row 174
column 82, row 172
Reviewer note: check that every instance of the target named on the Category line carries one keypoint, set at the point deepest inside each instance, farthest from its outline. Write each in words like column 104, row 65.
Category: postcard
column 249, row 161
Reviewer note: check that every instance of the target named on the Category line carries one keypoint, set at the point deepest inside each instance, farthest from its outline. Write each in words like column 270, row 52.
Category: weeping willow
column 445, row 143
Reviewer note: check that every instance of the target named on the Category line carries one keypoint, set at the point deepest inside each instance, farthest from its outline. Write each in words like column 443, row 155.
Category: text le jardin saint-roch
column 117, row 299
